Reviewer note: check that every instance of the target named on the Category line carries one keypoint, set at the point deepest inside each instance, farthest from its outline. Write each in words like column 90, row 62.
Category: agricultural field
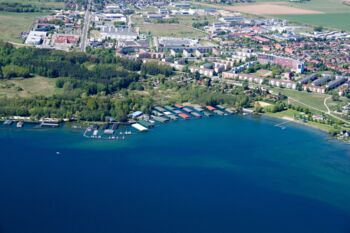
column 324, row 6
column 37, row 86
column 334, row 20
column 328, row 13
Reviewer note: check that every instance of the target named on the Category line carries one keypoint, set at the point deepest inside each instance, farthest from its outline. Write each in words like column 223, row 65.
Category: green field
column 312, row 99
column 335, row 20
column 12, row 24
column 40, row 3
column 29, row 87
column 183, row 29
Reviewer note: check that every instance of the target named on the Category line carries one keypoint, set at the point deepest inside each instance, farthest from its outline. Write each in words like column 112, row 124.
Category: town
column 223, row 47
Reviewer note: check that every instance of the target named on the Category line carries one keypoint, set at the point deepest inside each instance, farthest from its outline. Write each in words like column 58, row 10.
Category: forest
column 96, row 85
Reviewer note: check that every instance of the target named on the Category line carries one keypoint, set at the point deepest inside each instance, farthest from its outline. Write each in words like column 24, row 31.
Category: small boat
column 8, row 122
column 20, row 124
column 58, row 153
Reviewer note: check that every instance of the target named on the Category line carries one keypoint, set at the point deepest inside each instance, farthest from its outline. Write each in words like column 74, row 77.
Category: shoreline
column 81, row 124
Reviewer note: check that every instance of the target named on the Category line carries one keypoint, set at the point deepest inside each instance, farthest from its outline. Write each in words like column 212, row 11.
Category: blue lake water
column 216, row 175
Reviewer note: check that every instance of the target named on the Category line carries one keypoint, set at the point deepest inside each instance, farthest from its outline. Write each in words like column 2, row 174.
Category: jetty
column 281, row 125
column 49, row 124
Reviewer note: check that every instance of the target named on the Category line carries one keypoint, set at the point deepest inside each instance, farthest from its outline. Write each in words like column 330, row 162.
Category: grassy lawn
column 330, row 20
column 12, row 24
column 37, row 86
column 189, row 20
column 287, row 113
column 165, row 29
column 290, row 114
column 312, row 99
column 174, row 30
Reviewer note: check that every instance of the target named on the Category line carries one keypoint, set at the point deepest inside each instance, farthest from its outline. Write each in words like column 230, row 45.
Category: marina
column 138, row 121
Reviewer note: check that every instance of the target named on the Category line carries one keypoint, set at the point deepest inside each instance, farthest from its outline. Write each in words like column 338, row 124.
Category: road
column 85, row 31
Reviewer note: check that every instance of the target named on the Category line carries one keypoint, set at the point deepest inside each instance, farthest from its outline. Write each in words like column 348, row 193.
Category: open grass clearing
column 12, row 24
column 39, row 3
column 172, row 30
column 29, row 87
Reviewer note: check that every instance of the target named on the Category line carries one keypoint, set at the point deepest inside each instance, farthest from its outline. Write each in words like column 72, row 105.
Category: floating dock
column 49, row 124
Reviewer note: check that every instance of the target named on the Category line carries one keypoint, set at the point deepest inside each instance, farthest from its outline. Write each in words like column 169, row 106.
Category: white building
column 35, row 38
column 118, row 33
